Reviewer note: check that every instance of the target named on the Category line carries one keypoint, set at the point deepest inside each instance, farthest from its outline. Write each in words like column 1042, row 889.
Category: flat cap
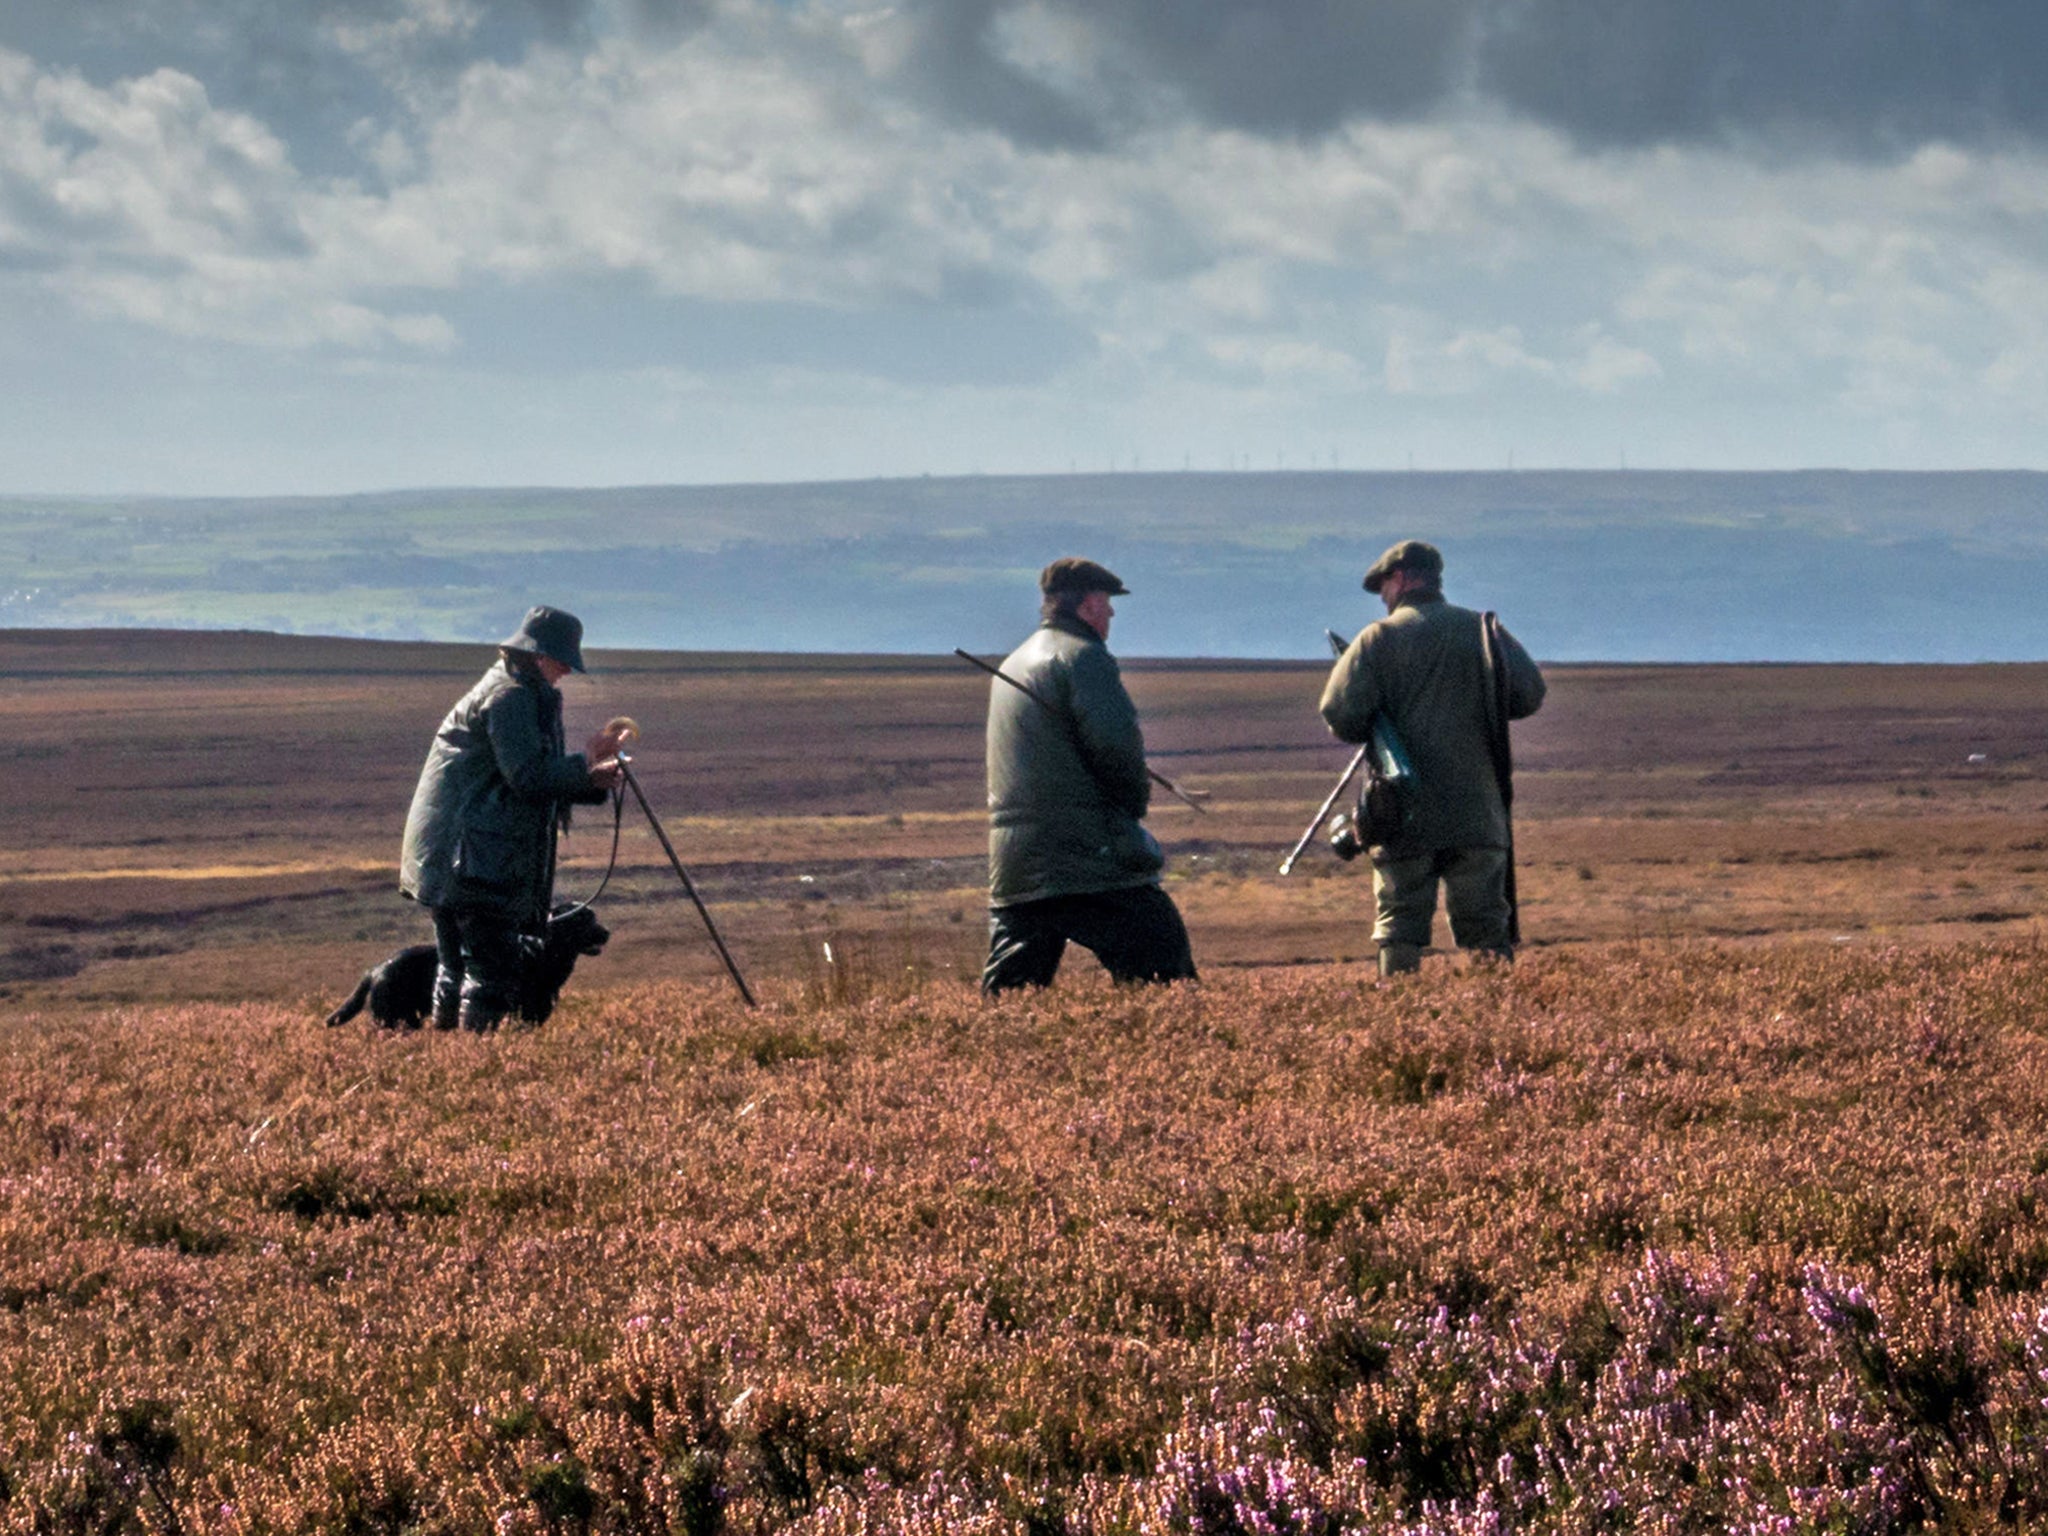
column 551, row 633
column 1408, row 555
column 1070, row 573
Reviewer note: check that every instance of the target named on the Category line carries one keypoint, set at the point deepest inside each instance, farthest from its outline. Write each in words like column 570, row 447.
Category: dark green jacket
column 1067, row 785
column 481, row 832
column 1424, row 665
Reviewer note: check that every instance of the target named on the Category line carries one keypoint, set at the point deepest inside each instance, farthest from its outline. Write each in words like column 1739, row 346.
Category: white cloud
column 417, row 21
column 718, row 171
column 1285, row 358
column 147, row 166
column 773, row 155
column 1417, row 362
column 146, row 203
column 1607, row 366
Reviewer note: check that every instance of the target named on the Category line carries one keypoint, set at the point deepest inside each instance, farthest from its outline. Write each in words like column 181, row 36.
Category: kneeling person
column 1069, row 856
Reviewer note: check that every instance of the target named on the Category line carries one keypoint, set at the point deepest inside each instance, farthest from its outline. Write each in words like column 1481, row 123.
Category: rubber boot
column 447, row 1000
column 481, row 1015
column 1398, row 959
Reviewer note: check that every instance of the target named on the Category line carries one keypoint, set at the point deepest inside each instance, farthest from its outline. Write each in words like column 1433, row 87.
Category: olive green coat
column 1425, row 666
column 481, row 832
column 1067, row 785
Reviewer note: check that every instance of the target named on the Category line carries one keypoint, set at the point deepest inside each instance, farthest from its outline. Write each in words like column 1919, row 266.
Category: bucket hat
column 551, row 633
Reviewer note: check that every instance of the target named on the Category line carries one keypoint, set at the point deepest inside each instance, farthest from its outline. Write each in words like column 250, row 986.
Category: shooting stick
column 626, row 729
column 1185, row 796
column 1357, row 758
column 688, row 885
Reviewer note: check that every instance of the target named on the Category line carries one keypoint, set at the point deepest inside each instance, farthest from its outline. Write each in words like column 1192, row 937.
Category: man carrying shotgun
column 1069, row 857
column 1450, row 680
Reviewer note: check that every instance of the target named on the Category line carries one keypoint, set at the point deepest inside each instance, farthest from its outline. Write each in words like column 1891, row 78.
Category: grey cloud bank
column 1871, row 76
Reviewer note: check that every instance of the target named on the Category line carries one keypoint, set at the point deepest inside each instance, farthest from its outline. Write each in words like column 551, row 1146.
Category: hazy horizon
column 1609, row 565
column 372, row 491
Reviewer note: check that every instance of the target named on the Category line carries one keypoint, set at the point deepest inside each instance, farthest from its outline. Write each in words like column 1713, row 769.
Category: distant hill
column 1616, row 565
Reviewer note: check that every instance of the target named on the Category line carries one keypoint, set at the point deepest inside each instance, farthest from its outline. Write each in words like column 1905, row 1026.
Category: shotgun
column 1187, row 797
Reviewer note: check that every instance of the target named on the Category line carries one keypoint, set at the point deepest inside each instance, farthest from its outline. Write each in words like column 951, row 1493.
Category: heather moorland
column 1721, row 1210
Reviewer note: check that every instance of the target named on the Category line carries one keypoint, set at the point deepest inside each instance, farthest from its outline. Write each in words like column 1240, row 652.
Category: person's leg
column 1476, row 896
column 1025, row 943
column 491, row 960
column 1138, row 934
column 447, row 969
column 1404, row 911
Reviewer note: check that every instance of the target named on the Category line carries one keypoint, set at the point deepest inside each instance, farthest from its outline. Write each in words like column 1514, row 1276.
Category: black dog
column 400, row 992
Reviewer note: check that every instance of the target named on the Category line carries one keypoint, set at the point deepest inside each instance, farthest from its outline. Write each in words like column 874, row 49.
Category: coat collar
column 1420, row 599
column 1066, row 624
column 526, row 679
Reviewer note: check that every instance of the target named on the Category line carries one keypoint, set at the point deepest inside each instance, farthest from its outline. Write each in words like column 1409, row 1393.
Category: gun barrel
column 1350, row 770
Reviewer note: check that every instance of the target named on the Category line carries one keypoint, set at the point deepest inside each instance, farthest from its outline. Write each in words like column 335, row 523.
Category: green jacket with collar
column 1067, row 784
column 1424, row 664
column 481, row 832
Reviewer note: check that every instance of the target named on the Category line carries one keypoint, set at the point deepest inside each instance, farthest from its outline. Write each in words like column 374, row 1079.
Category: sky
column 259, row 248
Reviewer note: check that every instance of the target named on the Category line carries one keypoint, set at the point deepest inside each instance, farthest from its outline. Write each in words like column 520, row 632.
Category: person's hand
column 607, row 773
column 617, row 731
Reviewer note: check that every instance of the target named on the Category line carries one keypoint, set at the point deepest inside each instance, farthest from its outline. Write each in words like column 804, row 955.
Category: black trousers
column 1137, row 934
column 478, row 955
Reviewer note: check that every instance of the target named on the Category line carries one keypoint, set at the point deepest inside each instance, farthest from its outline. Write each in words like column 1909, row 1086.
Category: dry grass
column 1722, row 1211
column 1719, row 1240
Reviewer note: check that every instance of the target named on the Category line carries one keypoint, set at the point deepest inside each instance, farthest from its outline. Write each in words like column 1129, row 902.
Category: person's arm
column 1525, row 679
column 533, row 769
column 1106, row 730
column 1352, row 695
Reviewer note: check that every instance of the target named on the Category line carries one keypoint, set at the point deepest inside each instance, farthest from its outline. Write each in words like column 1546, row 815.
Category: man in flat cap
column 1449, row 680
column 479, row 848
column 1069, row 856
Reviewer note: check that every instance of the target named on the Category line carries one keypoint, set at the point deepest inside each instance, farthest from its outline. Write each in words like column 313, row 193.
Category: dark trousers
column 478, row 955
column 1136, row 934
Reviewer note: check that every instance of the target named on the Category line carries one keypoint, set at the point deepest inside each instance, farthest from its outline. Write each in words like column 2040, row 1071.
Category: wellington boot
column 480, row 1016
column 447, row 1002
column 1399, row 959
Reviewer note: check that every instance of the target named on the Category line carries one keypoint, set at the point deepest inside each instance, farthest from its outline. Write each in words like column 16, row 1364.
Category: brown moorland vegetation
column 208, row 816
column 1688, row 1239
column 1721, row 1210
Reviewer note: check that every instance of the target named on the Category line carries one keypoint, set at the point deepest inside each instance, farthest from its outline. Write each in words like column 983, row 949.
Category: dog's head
column 572, row 932
column 576, row 931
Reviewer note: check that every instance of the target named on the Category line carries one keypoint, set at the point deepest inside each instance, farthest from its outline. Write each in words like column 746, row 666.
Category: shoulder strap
column 1495, row 666
column 1503, row 759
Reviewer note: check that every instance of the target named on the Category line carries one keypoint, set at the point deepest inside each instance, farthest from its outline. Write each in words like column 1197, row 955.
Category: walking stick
column 1357, row 759
column 1185, row 796
column 689, row 885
